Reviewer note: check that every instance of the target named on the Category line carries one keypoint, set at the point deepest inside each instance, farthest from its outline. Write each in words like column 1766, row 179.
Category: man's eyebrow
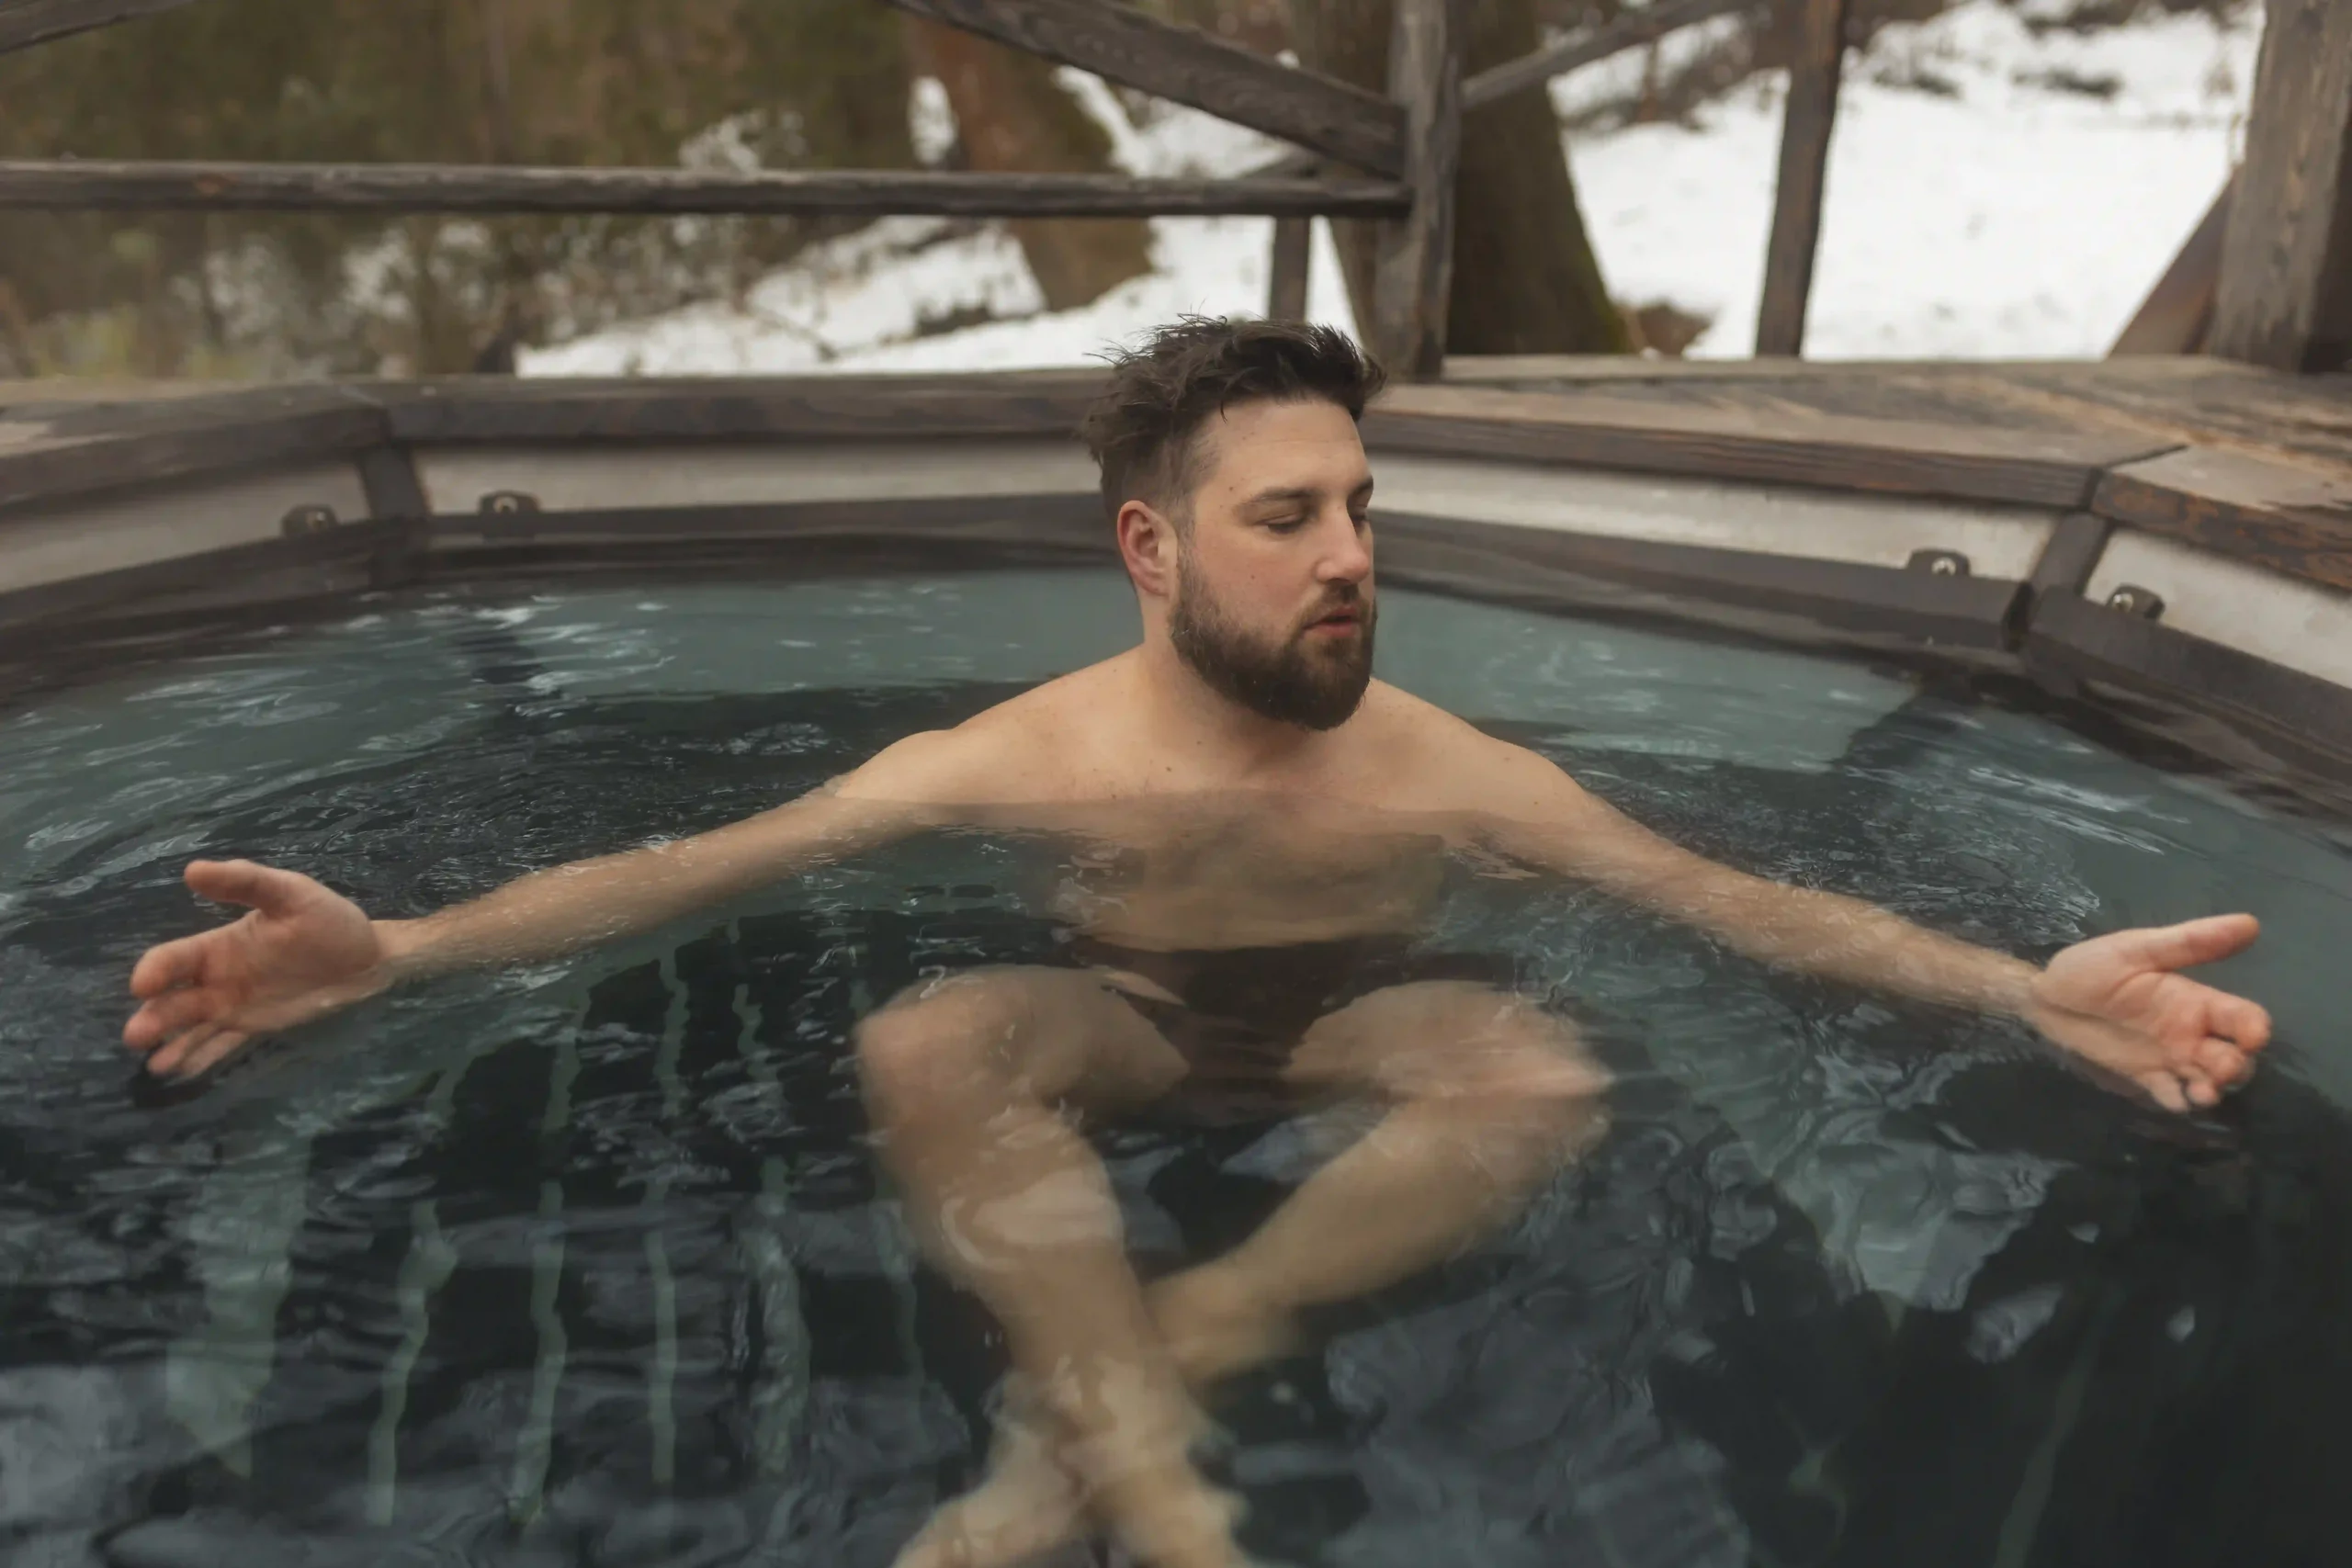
column 1282, row 493
column 1298, row 492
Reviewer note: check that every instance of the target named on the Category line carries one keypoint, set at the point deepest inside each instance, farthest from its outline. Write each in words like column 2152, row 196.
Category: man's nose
column 1347, row 557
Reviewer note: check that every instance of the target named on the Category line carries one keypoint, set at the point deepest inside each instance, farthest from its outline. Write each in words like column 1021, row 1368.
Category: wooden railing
column 1389, row 158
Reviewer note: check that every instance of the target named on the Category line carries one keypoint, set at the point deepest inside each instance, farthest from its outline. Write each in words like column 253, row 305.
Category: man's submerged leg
column 1486, row 1098
column 964, row 1078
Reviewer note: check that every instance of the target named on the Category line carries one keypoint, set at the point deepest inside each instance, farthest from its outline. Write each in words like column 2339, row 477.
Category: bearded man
column 1265, row 824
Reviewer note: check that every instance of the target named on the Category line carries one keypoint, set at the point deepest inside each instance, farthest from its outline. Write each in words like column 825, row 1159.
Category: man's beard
column 1315, row 684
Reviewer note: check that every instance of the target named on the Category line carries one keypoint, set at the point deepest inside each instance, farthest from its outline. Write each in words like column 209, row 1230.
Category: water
column 590, row 1264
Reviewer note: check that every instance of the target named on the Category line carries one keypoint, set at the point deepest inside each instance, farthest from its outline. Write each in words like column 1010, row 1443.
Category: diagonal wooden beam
column 83, row 184
column 1186, row 66
column 1631, row 29
column 24, row 23
column 2178, row 311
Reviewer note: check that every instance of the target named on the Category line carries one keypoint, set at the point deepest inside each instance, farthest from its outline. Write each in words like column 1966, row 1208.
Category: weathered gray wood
column 1629, row 30
column 1293, row 249
column 1805, row 167
column 29, row 22
column 423, row 187
column 1757, row 437
column 1187, row 66
column 2285, row 296
column 2178, row 315
column 1415, row 273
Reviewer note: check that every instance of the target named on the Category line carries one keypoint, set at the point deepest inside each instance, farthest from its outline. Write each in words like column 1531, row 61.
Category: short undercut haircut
column 1144, row 430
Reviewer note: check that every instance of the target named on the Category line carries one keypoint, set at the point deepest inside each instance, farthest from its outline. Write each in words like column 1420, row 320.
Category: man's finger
column 2166, row 1089
column 2246, row 1023
column 165, row 1062
column 208, row 1055
column 166, row 1016
column 2195, row 942
column 2223, row 1062
column 243, row 882
column 168, row 965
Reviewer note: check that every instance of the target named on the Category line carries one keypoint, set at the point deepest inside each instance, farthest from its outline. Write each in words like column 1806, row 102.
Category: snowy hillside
column 1995, row 190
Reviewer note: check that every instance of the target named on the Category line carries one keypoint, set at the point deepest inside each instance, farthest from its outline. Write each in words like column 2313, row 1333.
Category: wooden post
column 2285, row 295
column 1805, row 168
column 1286, row 290
column 1415, row 271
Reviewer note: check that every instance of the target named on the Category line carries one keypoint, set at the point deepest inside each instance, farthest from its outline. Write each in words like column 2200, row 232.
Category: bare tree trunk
column 1011, row 115
column 1525, row 280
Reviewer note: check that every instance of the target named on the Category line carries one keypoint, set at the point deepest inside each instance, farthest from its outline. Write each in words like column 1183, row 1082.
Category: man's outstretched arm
column 2116, row 1000
column 302, row 950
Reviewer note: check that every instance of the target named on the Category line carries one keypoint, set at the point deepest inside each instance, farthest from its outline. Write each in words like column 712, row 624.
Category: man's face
column 1273, row 605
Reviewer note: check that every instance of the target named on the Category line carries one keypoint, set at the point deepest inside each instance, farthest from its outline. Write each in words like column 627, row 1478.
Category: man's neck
column 1214, row 736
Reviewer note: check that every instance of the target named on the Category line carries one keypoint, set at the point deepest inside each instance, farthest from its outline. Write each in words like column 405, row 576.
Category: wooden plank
column 1046, row 517
column 1974, row 612
column 87, row 184
column 1413, row 275
column 2292, row 519
column 176, row 577
column 2300, row 717
column 1187, row 66
column 1766, row 446
column 1631, row 29
column 72, row 451
column 1286, row 278
column 29, row 22
column 2071, row 554
column 2178, row 311
column 811, row 408
column 1804, row 170
column 2285, row 298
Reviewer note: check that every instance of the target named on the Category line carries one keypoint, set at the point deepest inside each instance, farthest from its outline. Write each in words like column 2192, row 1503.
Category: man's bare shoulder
column 1006, row 754
column 1441, row 761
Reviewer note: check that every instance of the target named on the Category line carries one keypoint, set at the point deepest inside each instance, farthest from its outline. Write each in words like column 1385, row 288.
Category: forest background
column 718, row 83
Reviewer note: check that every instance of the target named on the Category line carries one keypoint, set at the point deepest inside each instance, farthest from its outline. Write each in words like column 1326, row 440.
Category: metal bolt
column 2133, row 600
column 1939, row 563
column 311, row 519
column 509, row 503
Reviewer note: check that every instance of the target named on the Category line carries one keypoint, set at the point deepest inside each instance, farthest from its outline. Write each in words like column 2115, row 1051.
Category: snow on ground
column 1995, row 190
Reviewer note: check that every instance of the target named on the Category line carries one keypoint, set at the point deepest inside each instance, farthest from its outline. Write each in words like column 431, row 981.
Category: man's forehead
column 1291, row 445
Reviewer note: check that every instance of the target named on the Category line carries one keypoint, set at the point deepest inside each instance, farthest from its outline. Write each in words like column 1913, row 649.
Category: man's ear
column 1147, row 546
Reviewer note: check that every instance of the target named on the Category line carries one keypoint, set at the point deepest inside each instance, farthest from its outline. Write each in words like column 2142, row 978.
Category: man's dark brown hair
column 1144, row 429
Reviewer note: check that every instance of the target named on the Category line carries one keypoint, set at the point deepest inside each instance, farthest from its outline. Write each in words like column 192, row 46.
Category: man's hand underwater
column 299, row 952
column 2116, row 1000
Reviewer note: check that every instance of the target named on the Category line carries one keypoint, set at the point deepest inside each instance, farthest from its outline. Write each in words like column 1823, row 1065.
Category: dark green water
column 590, row 1264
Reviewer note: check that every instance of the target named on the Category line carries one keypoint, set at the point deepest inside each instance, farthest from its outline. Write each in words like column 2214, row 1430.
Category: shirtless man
column 1252, row 797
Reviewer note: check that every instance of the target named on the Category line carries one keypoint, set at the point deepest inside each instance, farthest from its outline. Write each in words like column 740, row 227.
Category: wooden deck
column 2250, row 463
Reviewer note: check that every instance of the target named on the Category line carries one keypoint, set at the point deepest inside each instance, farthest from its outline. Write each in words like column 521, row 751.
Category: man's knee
column 942, row 1039
column 1525, row 1069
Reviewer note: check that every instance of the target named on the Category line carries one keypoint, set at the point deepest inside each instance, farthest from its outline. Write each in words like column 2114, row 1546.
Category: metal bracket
column 1938, row 563
column 2133, row 600
column 314, row 519
column 508, row 503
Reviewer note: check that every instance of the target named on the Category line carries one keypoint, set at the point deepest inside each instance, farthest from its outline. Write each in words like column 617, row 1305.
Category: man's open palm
column 2119, row 1001
column 300, row 951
